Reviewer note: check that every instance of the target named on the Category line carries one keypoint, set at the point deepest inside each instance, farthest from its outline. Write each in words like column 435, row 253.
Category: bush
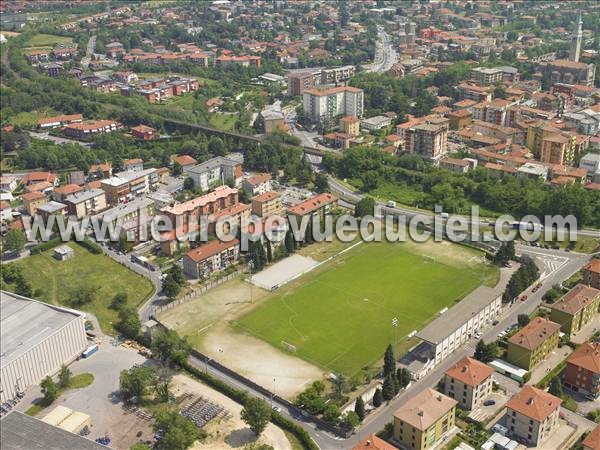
column 90, row 246
column 36, row 250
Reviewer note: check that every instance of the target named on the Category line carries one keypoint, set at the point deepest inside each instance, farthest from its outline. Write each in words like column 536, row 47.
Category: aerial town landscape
column 300, row 224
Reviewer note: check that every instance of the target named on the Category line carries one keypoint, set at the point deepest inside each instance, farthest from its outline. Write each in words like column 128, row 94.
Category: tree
column 388, row 387
column 269, row 251
column 177, row 169
column 389, row 362
column 139, row 446
column 135, row 382
column 370, row 180
column 125, row 245
column 216, row 147
column 179, row 432
column 523, row 319
column 321, row 182
column 49, row 390
column 129, row 324
column 162, row 382
column 500, row 92
column 310, row 399
column 83, row 296
column 188, row 184
column 377, row 398
column 403, row 377
column 256, row 414
column 14, row 241
column 170, row 287
column 339, row 383
column 484, row 352
column 64, row 376
column 359, row 408
column 119, row 300
column 171, row 348
column 290, row 243
column 176, row 272
column 364, row 207
column 555, row 387
column 351, row 420
column 331, row 413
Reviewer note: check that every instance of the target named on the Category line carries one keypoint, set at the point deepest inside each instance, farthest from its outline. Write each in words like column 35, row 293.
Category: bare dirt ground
column 205, row 322
column 230, row 433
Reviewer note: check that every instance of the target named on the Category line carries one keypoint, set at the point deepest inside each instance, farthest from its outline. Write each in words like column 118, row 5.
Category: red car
column 523, row 298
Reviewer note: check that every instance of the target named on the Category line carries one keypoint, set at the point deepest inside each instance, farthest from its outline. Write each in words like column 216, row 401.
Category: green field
column 53, row 281
column 46, row 40
column 339, row 317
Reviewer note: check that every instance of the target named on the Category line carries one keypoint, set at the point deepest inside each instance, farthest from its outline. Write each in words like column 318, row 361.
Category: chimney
column 530, row 401
column 368, row 443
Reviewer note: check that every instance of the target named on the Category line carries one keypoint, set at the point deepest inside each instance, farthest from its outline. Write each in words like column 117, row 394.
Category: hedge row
column 42, row 247
column 90, row 246
column 241, row 397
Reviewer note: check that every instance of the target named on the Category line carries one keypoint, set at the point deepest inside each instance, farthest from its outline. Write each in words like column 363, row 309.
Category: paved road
column 91, row 45
column 59, row 140
column 354, row 196
column 385, row 54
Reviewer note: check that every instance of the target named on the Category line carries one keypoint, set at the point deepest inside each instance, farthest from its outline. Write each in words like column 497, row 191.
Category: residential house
column 185, row 161
column 350, row 125
column 86, row 203
column 532, row 415
column 469, row 382
column 211, row 257
column 38, row 177
column 576, row 308
column 533, row 343
column 424, row 420
column 61, row 192
column 134, row 165
column 591, row 273
column 374, row 443
column 6, row 212
column 32, row 201
column 8, row 183
column 214, row 171
column 143, row 132
column 99, row 171
column 460, row 119
column 257, row 184
column 51, row 208
column 455, row 165
column 582, row 371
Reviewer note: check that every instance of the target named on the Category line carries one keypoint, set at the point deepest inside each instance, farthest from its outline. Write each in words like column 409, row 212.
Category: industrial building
column 35, row 340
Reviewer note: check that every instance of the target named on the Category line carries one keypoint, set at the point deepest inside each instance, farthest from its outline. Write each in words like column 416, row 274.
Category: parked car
column 489, row 402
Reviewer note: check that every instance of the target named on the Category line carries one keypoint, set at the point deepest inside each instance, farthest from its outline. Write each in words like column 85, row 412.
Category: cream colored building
column 532, row 415
column 267, row 204
column 86, row 203
column 469, row 382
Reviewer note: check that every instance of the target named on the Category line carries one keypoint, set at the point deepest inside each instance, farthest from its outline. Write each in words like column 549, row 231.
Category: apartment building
column 244, row 61
column 469, row 382
column 591, row 273
column 211, row 257
column 533, row 343
column 424, row 420
column 323, row 104
column 495, row 111
column 430, row 141
column 582, row 372
column 86, row 203
column 576, row 308
column 215, row 170
column 320, row 205
column 127, row 185
column 86, row 130
column 484, row 76
column 267, row 204
column 32, row 201
column 61, row 192
column 556, row 149
column 301, row 80
column 460, row 119
column 532, row 415
column 468, row 91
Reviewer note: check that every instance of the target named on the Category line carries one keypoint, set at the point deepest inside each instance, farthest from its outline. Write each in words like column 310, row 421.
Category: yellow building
column 533, row 343
column 576, row 308
column 536, row 134
column 424, row 419
column 556, row 149
column 267, row 204
column 350, row 125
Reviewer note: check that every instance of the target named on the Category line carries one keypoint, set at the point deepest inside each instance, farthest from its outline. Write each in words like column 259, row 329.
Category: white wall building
column 322, row 104
column 35, row 340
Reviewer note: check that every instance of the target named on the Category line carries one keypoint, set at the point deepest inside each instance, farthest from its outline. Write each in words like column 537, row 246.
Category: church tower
column 576, row 40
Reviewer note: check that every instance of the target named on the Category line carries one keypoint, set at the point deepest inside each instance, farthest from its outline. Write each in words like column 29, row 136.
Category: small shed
column 63, row 253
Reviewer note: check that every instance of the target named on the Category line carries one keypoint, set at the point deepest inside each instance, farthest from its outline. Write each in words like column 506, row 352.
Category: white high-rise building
column 324, row 104
column 575, row 50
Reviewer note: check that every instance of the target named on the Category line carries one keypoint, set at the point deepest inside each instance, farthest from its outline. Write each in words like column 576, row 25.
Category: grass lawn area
column 76, row 382
column 43, row 40
column 222, row 121
column 339, row 317
column 54, row 281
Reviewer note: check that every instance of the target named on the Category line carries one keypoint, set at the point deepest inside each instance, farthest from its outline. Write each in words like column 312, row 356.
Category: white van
column 391, row 204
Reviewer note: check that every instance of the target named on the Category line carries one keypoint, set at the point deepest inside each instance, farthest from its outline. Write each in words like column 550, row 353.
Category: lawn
column 46, row 40
column 340, row 317
column 54, row 281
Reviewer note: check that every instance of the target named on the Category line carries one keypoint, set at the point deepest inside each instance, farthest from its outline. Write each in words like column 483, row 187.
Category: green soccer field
column 339, row 317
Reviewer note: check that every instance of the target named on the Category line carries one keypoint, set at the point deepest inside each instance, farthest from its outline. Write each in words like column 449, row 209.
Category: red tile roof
column 470, row 371
column 258, row 179
column 269, row 195
column 593, row 266
column 534, row 333
column 534, row 403
column 29, row 196
column 374, row 443
column 586, row 356
column 576, row 299
column 183, row 160
column 312, row 204
column 592, row 440
column 210, row 249
column 67, row 189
